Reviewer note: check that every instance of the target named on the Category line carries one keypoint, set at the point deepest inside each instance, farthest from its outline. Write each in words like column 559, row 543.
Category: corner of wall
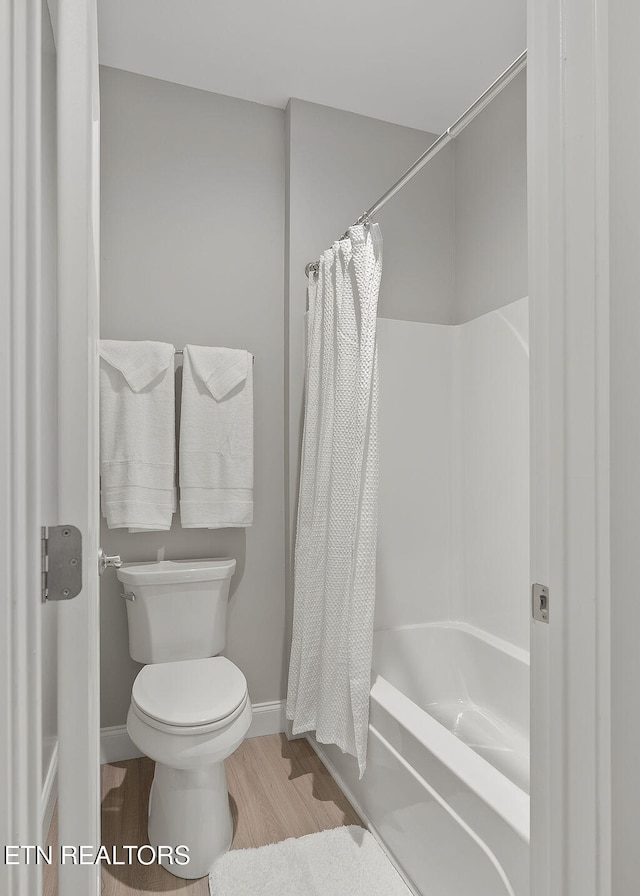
column 288, row 517
column 454, row 213
column 456, row 472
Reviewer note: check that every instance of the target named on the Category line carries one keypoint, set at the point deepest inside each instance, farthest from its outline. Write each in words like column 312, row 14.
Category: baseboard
column 337, row 777
column 116, row 745
column 49, row 793
column 288, row 730
column 268, row 718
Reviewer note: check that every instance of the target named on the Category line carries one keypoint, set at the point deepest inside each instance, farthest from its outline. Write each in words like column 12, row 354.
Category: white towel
column 137, row 434
column 216, row 438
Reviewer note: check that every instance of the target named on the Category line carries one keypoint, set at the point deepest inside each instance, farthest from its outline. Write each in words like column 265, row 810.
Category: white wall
column 453, row 537
column 192, row 251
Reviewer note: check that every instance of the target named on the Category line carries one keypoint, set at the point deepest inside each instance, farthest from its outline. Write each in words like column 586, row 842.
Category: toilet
column 190, row 708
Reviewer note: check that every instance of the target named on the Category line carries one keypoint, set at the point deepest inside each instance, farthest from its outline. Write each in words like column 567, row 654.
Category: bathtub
column 446, row 784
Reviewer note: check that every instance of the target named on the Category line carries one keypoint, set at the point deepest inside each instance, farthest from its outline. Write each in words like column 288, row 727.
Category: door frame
column 568, row 169
column 20, row 686
column 78, row 427
column 568, row 239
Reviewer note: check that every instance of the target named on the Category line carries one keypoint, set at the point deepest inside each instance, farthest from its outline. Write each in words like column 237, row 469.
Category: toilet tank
column 176, row 609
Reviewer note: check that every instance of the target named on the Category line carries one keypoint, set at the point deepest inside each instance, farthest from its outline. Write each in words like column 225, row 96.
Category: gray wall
column 338, row 165
column 491, row 206
column 48, row 348
column 194, row 196
column 624, row 185
column 192, row 251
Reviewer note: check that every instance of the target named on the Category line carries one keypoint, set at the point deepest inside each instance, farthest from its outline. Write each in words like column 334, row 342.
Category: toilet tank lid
column 173, row 572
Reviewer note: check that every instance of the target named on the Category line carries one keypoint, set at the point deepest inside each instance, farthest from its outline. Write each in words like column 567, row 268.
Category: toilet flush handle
column 129, row 595
column 104, row 562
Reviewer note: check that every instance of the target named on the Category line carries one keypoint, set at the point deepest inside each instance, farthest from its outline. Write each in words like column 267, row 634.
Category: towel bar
column 180, row 351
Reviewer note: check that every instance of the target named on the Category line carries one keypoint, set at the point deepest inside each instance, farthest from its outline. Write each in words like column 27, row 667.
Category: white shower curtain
column 335, row 551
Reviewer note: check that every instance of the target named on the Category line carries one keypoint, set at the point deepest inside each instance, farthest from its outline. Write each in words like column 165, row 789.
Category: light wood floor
column 49, row 872
column 278, row 789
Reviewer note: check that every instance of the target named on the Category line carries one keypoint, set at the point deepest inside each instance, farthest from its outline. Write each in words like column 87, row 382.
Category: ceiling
column 418, row 63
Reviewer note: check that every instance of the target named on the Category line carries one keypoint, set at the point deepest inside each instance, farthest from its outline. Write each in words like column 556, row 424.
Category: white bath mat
column 345, row 861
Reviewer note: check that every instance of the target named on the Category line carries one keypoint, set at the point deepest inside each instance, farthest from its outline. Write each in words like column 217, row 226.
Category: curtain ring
column 312, row 267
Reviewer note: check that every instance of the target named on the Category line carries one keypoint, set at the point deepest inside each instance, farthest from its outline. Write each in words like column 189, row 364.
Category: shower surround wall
column 490, row 476
column 453, row 541
column 416, row 439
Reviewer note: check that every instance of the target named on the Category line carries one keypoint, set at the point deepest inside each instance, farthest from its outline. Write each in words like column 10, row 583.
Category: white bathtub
column 446, row 785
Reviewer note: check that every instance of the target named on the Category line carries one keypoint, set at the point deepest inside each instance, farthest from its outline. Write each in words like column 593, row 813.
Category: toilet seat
column 189, row 696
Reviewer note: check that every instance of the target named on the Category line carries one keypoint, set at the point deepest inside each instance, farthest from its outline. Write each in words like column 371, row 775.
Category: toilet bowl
column 190, row 708
column 189, row 716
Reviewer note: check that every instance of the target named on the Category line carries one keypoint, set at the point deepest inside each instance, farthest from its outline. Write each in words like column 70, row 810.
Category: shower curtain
column 335, row 550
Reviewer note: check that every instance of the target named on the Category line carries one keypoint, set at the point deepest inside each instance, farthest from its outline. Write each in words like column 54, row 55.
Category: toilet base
column 190, row 807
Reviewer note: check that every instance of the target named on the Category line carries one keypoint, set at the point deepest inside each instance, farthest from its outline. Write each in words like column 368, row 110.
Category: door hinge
column 61, row 548
column 540, row 602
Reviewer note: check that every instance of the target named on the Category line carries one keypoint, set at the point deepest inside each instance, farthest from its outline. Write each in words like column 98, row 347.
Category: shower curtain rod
column 439, row 143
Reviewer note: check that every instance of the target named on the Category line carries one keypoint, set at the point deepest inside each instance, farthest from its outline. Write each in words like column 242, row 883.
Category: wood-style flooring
column 278, row 789
column 49, row 872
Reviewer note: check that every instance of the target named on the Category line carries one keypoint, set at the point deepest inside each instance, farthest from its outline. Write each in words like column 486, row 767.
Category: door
column 568, row 139
column 78, row 322
column 20, row 504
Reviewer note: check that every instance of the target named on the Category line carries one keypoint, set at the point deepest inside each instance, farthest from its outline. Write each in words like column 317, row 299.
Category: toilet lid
column 190, row 692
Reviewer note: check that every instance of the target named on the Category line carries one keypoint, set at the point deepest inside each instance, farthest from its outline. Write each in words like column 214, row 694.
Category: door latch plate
column 540, row 602
column 61, row 562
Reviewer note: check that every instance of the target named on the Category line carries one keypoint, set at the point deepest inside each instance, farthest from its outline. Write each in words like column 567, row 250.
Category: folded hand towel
column 216, row 438
column 220, row 369
column 139, row 362
column 137, row 434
